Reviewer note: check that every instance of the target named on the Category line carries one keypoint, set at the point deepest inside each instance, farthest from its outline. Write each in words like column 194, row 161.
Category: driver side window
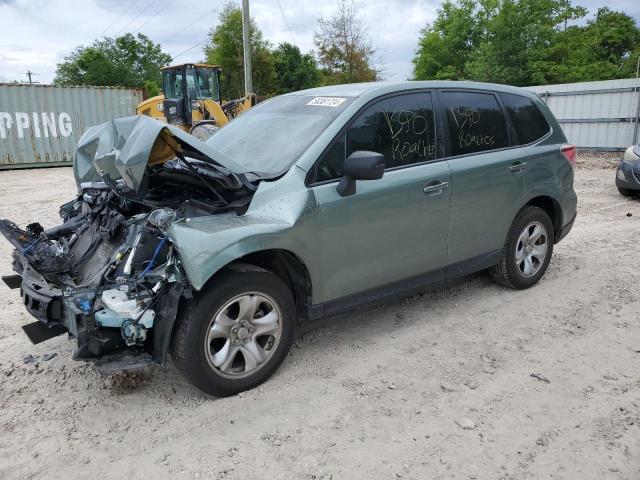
column 402, row 128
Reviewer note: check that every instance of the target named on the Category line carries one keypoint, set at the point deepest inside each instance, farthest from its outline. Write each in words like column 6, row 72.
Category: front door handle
column 517, row 167
column 435, row 188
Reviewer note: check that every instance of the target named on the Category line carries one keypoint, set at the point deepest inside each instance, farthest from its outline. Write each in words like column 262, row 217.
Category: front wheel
column 527, row 251
column 237, row 332
column 625, row 192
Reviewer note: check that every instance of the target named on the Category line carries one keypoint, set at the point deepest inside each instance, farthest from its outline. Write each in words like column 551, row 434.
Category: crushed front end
column 109, row 274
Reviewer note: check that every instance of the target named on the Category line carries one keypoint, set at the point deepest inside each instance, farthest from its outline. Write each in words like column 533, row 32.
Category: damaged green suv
column 305, row 206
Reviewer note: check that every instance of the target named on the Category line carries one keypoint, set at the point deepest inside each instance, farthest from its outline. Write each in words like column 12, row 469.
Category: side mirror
column 360, row 165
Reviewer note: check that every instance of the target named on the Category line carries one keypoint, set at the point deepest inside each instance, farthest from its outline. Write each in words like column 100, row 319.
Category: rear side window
column 527, row 119
column 476, row 122
column 402, row 128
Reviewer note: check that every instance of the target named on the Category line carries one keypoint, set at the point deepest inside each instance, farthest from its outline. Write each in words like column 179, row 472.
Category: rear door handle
column 435, row 188
column 517, row 167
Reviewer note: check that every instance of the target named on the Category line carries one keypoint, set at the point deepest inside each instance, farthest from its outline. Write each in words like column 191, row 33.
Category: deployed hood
column 121, row 150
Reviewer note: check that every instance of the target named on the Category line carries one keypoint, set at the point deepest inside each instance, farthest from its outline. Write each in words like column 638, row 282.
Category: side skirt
column 426, row 282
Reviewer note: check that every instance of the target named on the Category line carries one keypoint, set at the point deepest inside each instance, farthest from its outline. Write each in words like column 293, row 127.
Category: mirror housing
column 360, row 165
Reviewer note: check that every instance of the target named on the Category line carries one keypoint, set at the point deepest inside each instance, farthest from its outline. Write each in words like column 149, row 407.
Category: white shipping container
column 40, row 125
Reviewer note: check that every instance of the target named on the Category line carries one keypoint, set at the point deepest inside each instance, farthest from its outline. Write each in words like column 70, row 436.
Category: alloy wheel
column 531, row 250
column 243, row 334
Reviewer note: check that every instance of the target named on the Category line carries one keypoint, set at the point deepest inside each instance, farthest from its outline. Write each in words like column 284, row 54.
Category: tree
column 525, row 42
column 225, row 49
column 125, row 61
column 446, row 45
column 294, row 70
column 344, row 50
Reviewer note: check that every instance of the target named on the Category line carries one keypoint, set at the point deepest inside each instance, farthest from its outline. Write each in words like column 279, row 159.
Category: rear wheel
column 237, row 332
column 527, row 251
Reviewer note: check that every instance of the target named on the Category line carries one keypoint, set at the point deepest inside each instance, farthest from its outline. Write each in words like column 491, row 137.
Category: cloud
column 47, row 30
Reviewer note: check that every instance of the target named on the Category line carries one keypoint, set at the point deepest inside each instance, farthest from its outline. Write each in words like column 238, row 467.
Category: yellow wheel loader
column 192, row 100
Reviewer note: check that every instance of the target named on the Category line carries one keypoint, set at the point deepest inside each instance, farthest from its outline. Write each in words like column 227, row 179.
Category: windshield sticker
column 326, row 101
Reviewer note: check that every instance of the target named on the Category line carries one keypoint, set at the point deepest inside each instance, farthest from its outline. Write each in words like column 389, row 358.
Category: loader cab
column 185, row 87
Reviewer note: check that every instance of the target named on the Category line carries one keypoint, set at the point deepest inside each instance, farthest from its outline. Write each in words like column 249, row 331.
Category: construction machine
column 192, row 100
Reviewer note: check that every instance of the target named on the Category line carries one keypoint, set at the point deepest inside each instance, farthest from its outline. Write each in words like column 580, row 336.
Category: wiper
column 195, row 172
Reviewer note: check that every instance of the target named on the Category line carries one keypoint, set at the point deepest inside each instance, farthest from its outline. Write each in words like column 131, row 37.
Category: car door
column 393, row 229
column 489, row 179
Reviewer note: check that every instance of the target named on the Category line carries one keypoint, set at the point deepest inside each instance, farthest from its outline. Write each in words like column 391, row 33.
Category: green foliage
column 294, row 70
column 152, row 88
column 126, row 61
column 526, row 42
column 344, row 50
column 225, row 49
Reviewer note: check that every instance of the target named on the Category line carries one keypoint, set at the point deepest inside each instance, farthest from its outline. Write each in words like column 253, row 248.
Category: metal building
column 596, row 115
column 40, row 125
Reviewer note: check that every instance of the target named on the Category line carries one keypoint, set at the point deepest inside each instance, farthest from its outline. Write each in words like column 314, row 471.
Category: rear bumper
column 564, row 231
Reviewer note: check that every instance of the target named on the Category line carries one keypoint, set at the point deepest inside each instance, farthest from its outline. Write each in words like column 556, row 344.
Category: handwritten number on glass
column 405, row 126
column 467, row 118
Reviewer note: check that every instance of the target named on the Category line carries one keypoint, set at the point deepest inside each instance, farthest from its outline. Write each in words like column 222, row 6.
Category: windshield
column 207, row 83
column 172, row 83
column 270, row 137
column 202, row 82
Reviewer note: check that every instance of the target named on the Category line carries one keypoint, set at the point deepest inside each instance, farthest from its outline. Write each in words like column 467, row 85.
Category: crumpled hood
column 123, row 147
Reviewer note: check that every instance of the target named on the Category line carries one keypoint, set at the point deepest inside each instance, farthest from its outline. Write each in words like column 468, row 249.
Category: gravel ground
column 431, row 387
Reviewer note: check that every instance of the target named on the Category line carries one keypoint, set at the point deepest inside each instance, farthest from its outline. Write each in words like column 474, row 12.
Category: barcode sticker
column 326, row 101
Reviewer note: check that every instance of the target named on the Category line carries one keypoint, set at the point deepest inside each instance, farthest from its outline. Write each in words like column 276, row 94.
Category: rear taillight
column 570, row 152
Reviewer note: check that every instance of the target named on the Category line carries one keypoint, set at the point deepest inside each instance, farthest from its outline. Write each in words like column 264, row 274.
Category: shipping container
column 40, row 125
column 599, row 115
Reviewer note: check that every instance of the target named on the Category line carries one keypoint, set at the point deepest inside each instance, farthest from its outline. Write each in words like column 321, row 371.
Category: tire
column 625, row 192
column 219, row 305
column 514, row 271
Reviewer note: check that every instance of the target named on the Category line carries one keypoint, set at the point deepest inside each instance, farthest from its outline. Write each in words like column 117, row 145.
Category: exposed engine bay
column 109, row 275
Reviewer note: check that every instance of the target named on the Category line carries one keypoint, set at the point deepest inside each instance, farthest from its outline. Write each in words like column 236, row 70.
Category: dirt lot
column 432, row 387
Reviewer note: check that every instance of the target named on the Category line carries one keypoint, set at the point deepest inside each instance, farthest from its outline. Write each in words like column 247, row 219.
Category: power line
column 161, row 9
column 284, row 16
column 190, row 48
column 135, row 17
column 192, row 23
column 286, row 22
column 117, row 19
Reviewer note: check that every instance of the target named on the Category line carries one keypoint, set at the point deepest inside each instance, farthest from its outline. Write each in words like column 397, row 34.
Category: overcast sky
column 36, row 34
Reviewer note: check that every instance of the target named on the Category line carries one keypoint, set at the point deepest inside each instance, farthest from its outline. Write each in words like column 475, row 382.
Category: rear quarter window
column 476, row 122
column 527, row 119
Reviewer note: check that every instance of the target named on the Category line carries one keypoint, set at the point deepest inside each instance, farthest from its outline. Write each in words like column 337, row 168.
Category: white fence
column 596, row 115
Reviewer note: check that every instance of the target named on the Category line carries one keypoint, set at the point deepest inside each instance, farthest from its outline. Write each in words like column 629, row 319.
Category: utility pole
column 635, row 129
column 29, row 74
column 246, row 47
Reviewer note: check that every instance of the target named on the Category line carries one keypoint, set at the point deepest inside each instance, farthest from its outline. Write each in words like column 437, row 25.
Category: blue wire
column 153, row 259
column 30, row 246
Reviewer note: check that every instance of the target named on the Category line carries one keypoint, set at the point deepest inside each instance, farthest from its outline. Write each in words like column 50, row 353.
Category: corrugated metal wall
column 597, row 115
column 41, row 125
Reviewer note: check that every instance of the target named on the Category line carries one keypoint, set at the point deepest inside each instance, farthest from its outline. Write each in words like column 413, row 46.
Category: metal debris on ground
column 540, row 378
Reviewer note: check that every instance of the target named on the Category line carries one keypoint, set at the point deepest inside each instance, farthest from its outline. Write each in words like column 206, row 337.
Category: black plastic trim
column 12, row 281
column 564, row 231
column 405, row 287
column 428, row 281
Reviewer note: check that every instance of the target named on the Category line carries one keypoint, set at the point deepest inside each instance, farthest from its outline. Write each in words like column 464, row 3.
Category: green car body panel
column 345, row 243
